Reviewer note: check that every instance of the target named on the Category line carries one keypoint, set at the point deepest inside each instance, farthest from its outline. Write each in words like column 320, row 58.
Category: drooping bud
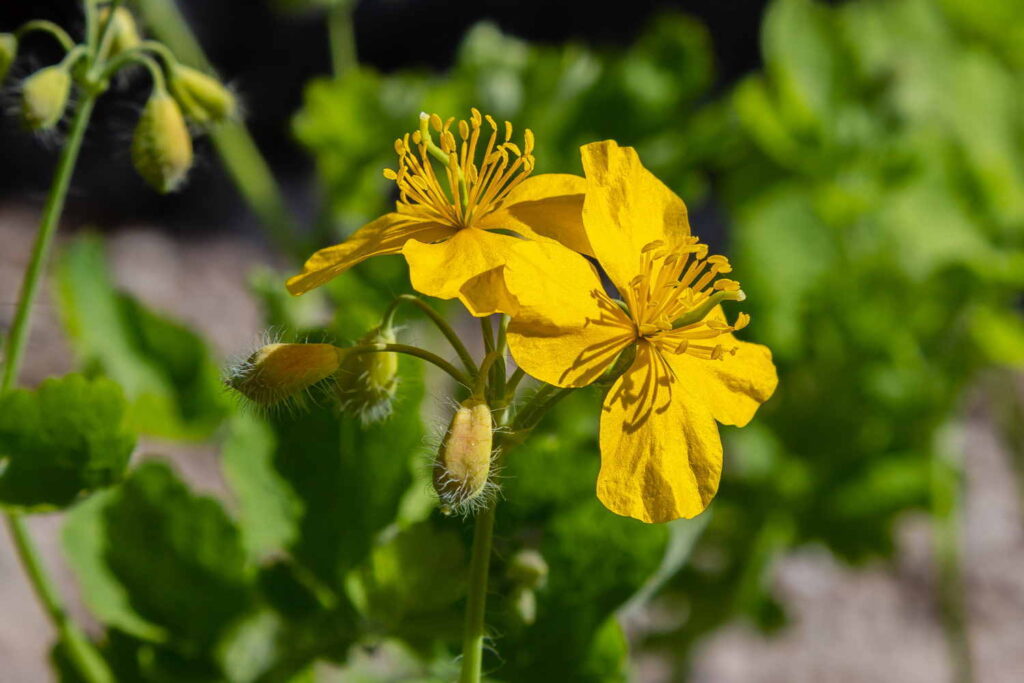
column 281, row 371
column 463, row 465
column 162, row 146
column 124, row 30
column 203, row 97
column 8, row 53
column 524, row 605
column 45, row 96
column 367, row 381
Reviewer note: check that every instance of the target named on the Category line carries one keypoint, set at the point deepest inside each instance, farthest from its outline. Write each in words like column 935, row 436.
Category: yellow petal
column 564, row 330
column 386, row 235
column 460, row 268
column 627, row 208
column 734, row 387
column 545, row 207
column 661, row 456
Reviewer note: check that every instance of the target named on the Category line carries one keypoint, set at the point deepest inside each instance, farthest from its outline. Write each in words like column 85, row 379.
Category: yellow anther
column 435, row 122
column 463, row 130
column 742, row 320
column 508, row 131
column 651, row 246
column 725, row 285
column 528, row 142
column 390, row 174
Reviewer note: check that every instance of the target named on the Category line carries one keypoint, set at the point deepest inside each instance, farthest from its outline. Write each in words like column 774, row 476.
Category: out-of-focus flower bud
column 125, row 32
column 45, row 96
column 203, row 97
column 281, row 371
column 527, row 568
column 367, row 381
column 463, row 465
column 8, row 53
column 162, row 146
column 524, row 605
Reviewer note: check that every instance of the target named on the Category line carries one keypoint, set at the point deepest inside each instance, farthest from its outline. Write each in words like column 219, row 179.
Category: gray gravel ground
column 869, row 625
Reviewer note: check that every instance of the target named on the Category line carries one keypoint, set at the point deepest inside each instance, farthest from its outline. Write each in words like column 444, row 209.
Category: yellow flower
column 444, row 222
column 661, row 455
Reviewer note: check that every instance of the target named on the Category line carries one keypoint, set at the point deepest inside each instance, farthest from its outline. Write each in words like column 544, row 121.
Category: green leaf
column 177, row 557
column 64, row 439
column 168, row 373
column 269, row 509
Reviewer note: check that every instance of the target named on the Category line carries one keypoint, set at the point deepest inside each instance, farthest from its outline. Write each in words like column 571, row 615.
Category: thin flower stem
column 513, row 384
column 81, row 652
column 476, row 603
column 342, row 39
column 43, row 26
column 106, row 36
column 440, row 322
column 487, row 334
column 480, row 387
column 545, row 399
column 422, row 354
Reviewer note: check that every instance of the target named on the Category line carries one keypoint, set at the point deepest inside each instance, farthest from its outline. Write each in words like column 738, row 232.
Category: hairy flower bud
column 367, row 381
column 463, row 465
column 281, row 371
column 161, row 146
column 203, row 97
column 8, row 53
column 124, row 31
column 45, row 96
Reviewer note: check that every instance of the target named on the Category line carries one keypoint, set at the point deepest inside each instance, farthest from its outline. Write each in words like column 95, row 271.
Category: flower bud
column 125, row 32
column 524, row 605
column 45, row 96
column 463, row 464
column 8, row 53
column 366, row 382
column 527, row 568
column 281, row 371
column 203, row 97
column 161, row 146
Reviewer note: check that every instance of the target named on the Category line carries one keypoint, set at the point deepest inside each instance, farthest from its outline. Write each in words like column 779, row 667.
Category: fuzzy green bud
column 124, row 31
column 524, row 605
column 278, row 372
column 203, row 97
column 8, row 53
column 463, row 465
column 367, row 381
column 162, row 146
column 45, row 96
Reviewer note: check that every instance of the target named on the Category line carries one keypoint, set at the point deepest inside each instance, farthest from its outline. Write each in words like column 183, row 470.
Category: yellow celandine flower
column 661, row 455
column 444, row 222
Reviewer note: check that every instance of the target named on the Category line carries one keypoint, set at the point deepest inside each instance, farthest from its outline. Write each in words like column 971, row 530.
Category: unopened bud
column 463, row 465
column 203, row 97
column 527, row 568
column 162, row 146
column 124, row 31
column 45, row 96
column 367, row 381
column 8, row 53
column 524, row 605
column 281, row 371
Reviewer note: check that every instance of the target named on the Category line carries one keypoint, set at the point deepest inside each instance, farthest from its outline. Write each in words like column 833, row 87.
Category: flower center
column 475, row 181
column 673, row 299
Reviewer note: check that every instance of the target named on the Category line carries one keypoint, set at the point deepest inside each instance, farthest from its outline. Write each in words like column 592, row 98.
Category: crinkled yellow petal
column 386, row 235
column 627, row 208
column 661, row 456
column 548, row 206
column 734, row 387
column 461, row 266
column 564, row 330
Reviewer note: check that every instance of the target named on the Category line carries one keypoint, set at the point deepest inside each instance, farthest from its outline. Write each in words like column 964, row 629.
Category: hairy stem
column 80, row 651
column 422, row 354
column 439, row 322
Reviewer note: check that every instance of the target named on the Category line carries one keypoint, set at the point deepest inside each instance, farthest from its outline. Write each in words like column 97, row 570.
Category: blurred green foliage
column 872, row 177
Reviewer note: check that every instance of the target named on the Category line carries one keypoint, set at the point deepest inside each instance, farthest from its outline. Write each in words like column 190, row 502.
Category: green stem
column 487, row 334
column 237, row 149
column 48, row 27
column 476, row 604
column 81, row 652
column 342, row 39
column 480, row 386
column 18, row 334
column 513, row 384
column 543, row 401
column 440, row 322
column 416, row 351
column 83, row 655
column 106, row 36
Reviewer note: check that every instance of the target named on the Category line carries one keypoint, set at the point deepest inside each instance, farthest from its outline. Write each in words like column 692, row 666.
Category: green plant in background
column 69, row 439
